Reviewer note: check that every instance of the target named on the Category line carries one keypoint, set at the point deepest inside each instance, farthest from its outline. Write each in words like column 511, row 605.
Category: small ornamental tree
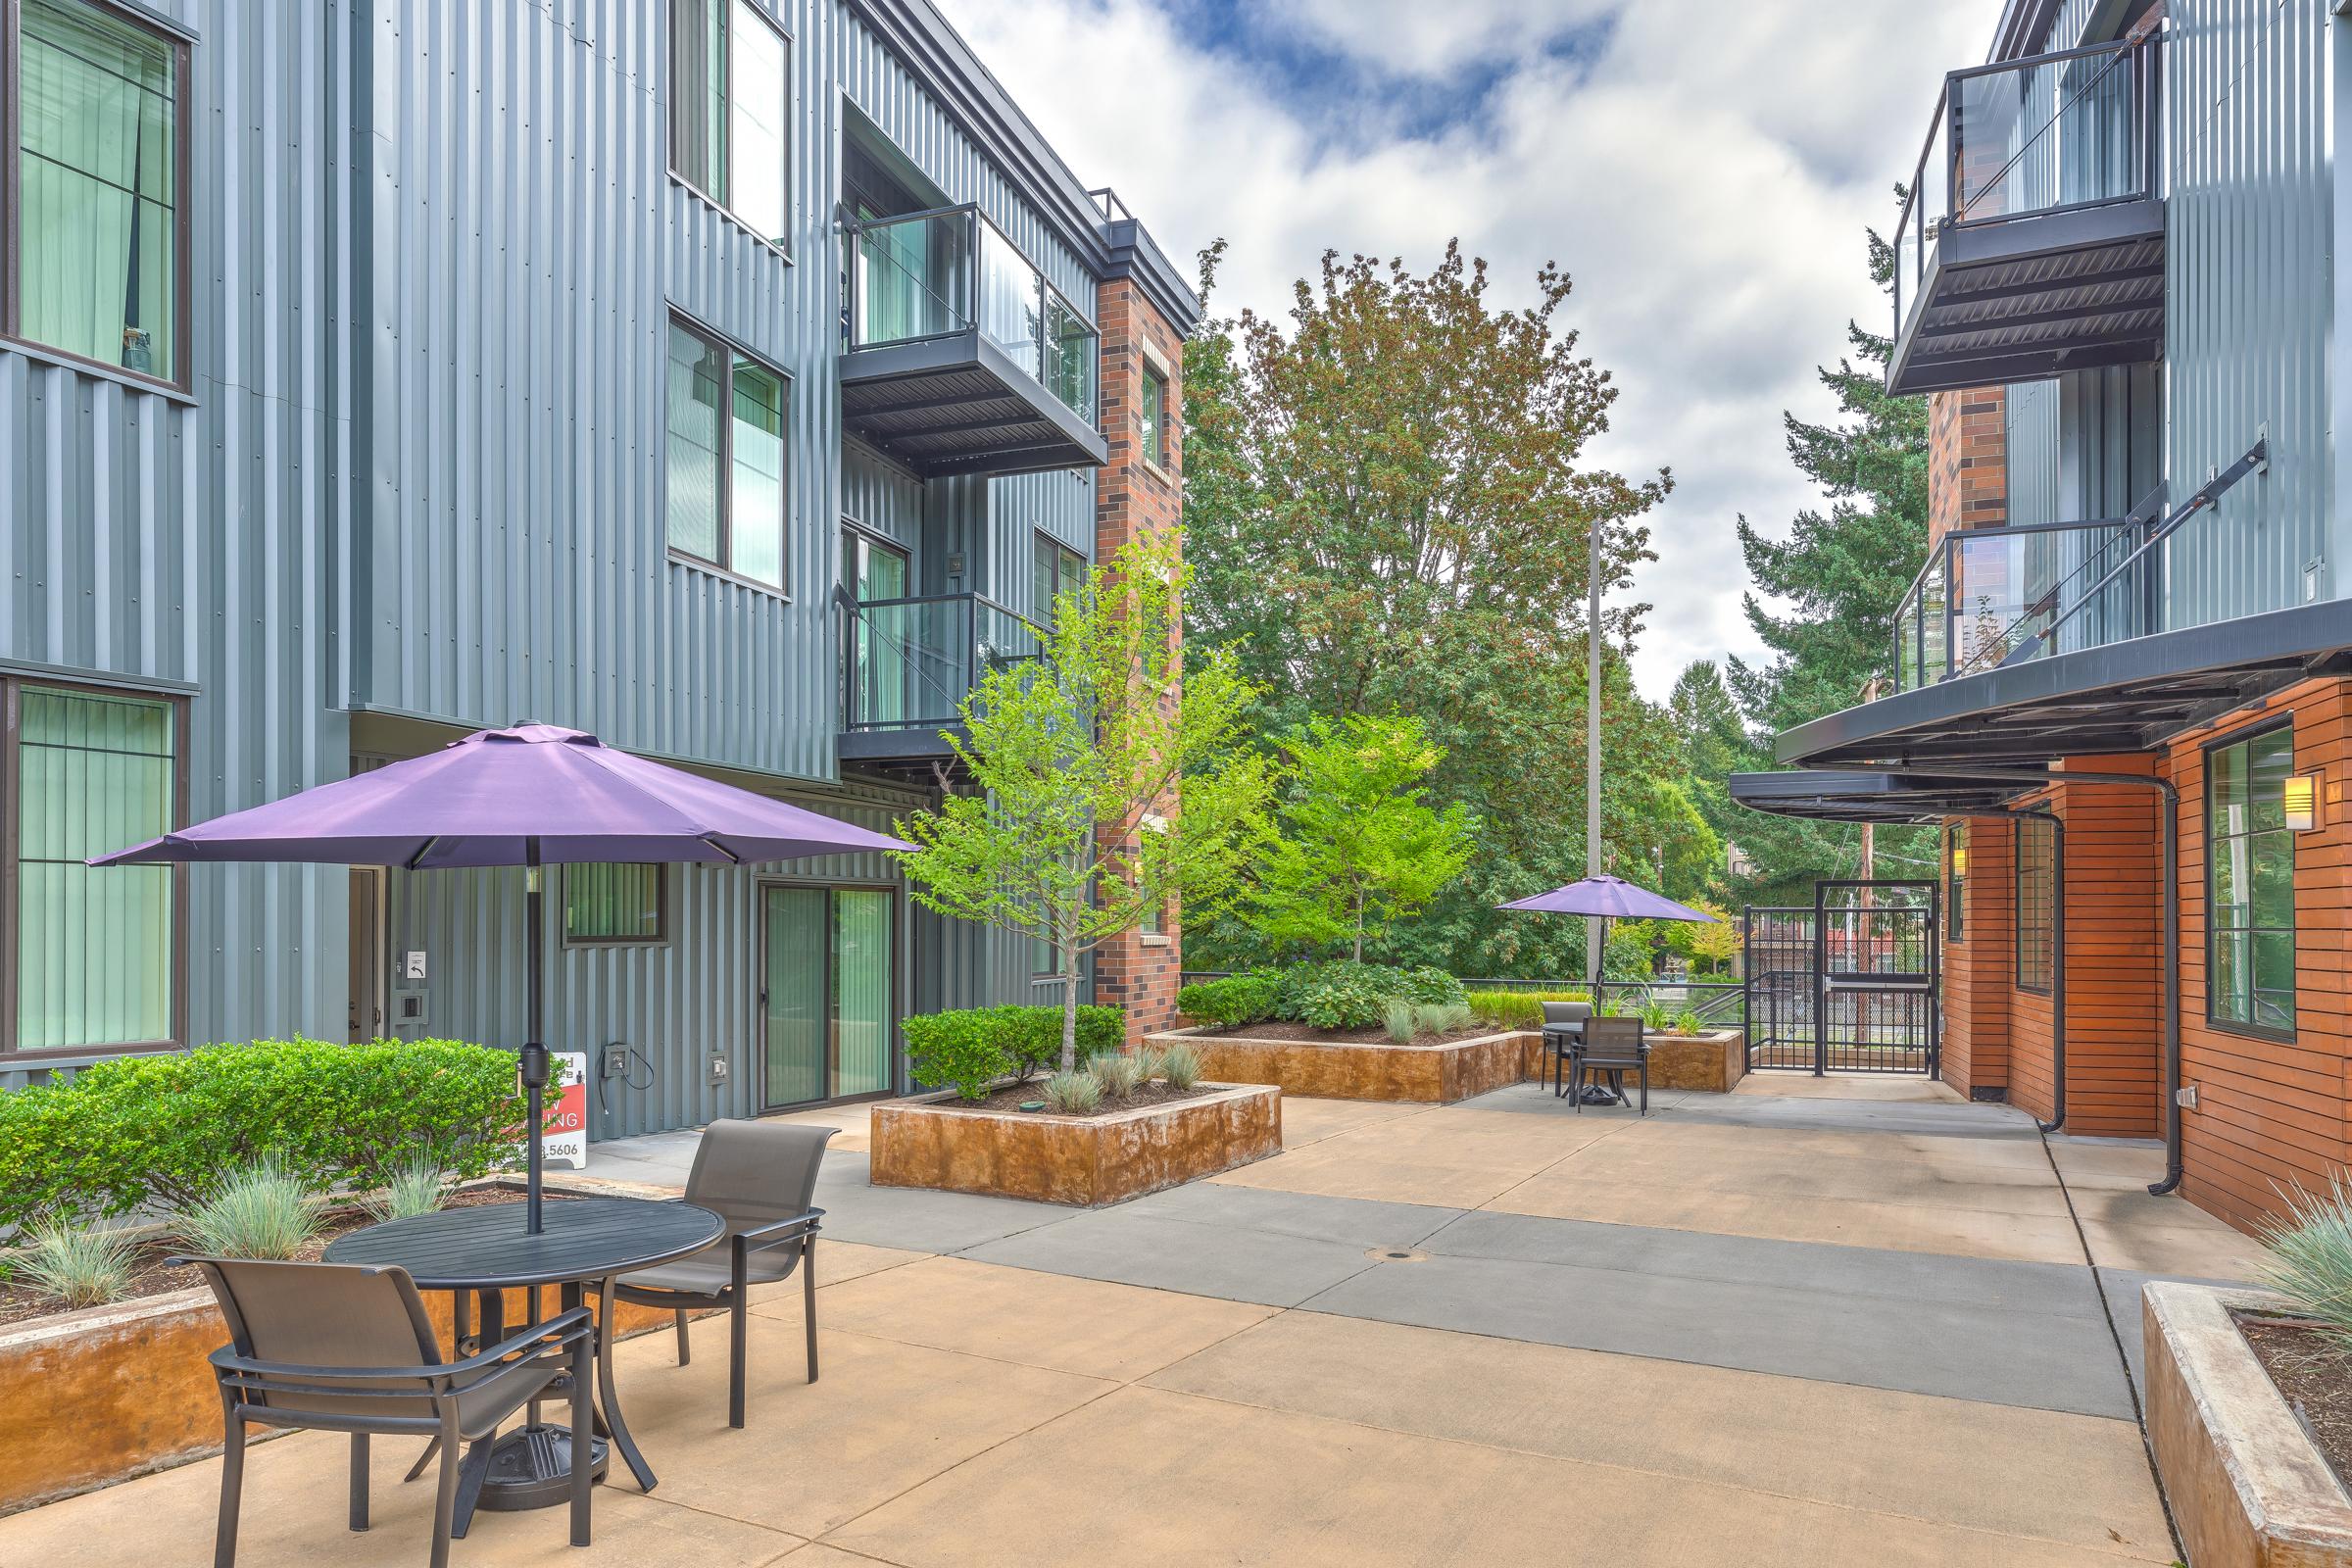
column 1072, row 829
column 1360, row 845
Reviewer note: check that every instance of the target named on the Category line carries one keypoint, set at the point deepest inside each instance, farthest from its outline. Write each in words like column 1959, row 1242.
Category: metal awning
column 2123, row 697
column 1828, row 795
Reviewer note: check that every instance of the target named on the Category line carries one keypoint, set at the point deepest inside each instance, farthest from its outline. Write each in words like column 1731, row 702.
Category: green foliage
column 265, row 1210
column 1401, row 1019
column 1074, row 1094
column 1120, row 1074
column 1346, row 995
column 1180, row 1065
column 1654, row 1017
column 2309, row 1261
column 162, row 1130
column 1516, row 1009
column 971, row 1048
column 418, row 1188
column 1235, row 999
column 1067, row 834
column 1358, row 844
column 76, row 1265
column 1688, row 1022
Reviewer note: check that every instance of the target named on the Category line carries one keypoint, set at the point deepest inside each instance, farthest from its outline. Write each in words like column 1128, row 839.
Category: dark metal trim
column 2269, row 723
column 2017, row 913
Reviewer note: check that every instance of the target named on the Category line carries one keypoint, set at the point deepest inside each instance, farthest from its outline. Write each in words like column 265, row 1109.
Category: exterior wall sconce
column 1959, row 860
column 2301, row 793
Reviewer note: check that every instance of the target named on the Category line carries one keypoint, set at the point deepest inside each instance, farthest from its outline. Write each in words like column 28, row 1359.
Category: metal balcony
column 1990, row 598
column 908, row 664
column 2033, row 239
column 959, row 357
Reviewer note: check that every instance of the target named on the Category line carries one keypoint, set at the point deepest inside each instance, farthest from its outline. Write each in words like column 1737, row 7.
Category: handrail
column 942, row 599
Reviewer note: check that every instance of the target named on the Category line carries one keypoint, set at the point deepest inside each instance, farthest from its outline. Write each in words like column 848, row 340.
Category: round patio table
column 585, row 1242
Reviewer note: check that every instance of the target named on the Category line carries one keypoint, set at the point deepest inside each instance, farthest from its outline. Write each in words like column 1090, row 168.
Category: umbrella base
column 530, row 1468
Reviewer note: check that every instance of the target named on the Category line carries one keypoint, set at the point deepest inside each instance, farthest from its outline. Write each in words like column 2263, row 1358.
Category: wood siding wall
column 1977, row 968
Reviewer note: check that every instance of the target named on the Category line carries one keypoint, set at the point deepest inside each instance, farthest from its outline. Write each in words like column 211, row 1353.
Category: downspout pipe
column 2027, row 778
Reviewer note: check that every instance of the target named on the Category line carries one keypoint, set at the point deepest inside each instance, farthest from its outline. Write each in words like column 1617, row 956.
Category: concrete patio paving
column 1812, row 1322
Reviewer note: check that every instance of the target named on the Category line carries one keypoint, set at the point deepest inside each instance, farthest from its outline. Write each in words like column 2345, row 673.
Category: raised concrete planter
column 2248, row 1487
column 931, row 1141
column 1712, row 1062
column 1436, row 1074
column 99, row 1396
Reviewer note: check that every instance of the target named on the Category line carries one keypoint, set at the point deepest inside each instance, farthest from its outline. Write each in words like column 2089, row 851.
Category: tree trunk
column 1359, row 928
column 1069, row 1011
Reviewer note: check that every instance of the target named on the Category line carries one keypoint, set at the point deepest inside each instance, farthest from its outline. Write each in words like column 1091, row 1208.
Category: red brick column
column 1135, row 496
column 1968, row 460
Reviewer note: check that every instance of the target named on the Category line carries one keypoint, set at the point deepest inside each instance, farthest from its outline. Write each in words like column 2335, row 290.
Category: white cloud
column 1704, row 174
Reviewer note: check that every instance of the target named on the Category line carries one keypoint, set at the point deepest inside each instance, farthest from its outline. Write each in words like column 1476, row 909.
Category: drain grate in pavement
column 1397, row 1255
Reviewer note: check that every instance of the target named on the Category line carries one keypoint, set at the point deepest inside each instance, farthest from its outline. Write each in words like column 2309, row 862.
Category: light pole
column 1592, row 927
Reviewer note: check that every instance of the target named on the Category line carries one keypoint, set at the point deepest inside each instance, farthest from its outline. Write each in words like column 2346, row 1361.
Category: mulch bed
column 1344, row 1037
column 1014, row 1095
column 21, row 1304
column 2315, row 1377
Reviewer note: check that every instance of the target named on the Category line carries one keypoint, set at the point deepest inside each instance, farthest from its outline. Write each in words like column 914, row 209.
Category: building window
column 97, row 232
column 726, row 471
column 1152, row 418
column 730, row 110
column 2037, row 857
column 94, row 958
column 1955, row 883
column 613, row 903
column 2250, row 884
column 1055, row 569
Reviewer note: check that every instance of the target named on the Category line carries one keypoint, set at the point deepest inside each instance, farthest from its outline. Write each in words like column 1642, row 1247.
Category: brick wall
column 1135, row 496
column 1968, row 460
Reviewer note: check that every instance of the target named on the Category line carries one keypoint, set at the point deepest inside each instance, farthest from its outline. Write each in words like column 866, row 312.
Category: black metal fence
column 1847, row 986
column 1717, row 1003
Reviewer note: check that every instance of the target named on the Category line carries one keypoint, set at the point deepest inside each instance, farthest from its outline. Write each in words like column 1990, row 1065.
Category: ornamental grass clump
column 1180, row 1067
column 76, row 1266
column 1401, row 1019
column 263, row 1210
column 418, row 1187
column 2310, row 1258
column 1074, row 1094
column 1120, row 1074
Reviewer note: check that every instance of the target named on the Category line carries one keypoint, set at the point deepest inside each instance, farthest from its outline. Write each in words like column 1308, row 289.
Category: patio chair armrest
column 778, row 1232
column 565, row 1327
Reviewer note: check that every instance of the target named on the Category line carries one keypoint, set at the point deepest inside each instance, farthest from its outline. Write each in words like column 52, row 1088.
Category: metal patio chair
column 348, row 1347
column 1563, row 1026
column 1615, row 1047
column 759, row 1177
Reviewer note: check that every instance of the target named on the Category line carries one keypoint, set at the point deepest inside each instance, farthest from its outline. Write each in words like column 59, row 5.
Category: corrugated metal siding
column 143, row 538
column 2030, row 429
column 2249, row 322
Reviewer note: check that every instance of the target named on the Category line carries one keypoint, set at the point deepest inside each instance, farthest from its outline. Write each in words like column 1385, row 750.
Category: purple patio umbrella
column 523, row 796
column 1607, row 898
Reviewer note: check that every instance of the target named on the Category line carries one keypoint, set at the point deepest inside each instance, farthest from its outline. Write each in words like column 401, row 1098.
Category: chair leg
column 738, row 1335
column 1576, row 1085
column 359, row 1481
column 685, row 1348
column 1644, row 1088
column 445, row 1492
column 583, row 1436
column 809, row 1298
column 232, row 1490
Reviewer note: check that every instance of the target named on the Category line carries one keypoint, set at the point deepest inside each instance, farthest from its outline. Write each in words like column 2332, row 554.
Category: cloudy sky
column 1704, row 170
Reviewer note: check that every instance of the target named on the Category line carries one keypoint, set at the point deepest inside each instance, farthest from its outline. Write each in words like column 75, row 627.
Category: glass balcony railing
column 910, row 663
column 1989, row 597
column 2025, row 138
column 928, row 274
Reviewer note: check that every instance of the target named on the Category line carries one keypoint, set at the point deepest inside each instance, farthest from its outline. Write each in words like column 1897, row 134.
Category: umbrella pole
column 534, row 1048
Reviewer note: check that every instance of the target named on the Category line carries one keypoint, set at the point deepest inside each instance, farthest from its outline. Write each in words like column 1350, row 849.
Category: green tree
column 1072, row 828
column 1359, row 844
column 1822, row 599
column 1389, row 507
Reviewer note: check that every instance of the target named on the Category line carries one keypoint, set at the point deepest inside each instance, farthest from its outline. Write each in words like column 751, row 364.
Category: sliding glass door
column 827, row 989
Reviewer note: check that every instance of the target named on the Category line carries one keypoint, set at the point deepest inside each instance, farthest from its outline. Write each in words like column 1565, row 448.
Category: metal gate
column 1849, row 985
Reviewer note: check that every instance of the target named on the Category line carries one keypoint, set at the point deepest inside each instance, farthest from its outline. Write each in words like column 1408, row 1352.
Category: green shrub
column 162, row 1130
column 1231, row 1002
column 2309, row 1261
column 1401, row 1019
column 1180, row 1065
column 263, row 1210
column 1073, row 1094
column 1516, row 1009
column 76, row 1265
column 1431, row 987
column 971, row 1048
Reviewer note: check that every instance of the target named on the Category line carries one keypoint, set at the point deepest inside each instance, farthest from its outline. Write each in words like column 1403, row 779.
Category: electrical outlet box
column 617, row 1062
column 718, row 1069
column 2185, row 1097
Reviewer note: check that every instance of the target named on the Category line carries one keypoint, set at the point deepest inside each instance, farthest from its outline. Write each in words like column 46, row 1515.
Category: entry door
column 366, row 953
column 827, row 983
